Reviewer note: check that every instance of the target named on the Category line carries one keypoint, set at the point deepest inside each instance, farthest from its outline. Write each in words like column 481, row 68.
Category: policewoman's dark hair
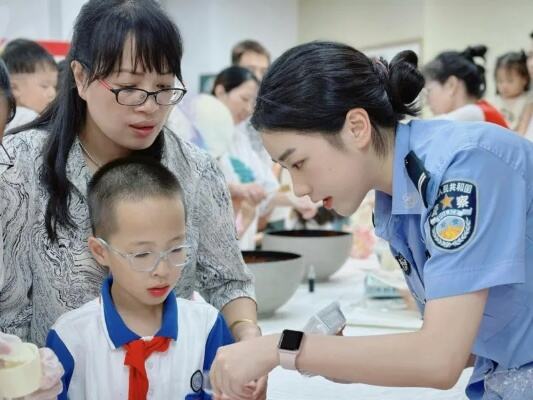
column 5, row 92
column 463, row 66
column 98, row 41
column 514, row 61
column 310, row 88
column 233, row 77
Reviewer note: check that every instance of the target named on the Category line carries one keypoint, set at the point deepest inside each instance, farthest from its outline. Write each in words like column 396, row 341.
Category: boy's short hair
column 129, row 178
column 247, row 45
column 24, row 56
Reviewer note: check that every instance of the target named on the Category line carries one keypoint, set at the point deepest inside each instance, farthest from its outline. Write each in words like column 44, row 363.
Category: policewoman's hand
column 237, row 365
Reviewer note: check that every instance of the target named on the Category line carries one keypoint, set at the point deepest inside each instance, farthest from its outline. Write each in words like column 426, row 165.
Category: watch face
column 290, row 340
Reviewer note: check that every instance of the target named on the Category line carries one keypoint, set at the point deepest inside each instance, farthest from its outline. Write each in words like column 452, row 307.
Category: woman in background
column 455, row 85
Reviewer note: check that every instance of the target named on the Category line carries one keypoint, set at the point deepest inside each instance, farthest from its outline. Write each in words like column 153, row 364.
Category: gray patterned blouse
column 44, row 279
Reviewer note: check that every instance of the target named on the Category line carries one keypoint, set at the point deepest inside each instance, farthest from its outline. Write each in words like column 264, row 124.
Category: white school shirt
column 89, row 343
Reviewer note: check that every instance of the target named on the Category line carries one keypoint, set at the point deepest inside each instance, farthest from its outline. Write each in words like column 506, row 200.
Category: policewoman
column 453, row 199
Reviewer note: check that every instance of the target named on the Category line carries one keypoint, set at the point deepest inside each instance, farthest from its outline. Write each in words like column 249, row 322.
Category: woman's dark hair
column 311, row 88
column 233, row 77
column 515, row 61
column 5, row 92
column 98, row 41
column 463, row 66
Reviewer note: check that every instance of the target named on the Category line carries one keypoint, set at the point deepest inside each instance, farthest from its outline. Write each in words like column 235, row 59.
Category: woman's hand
column 7, row 343
column 238, row 369
column 305, row 207
column 51, row 368
column 52, row 371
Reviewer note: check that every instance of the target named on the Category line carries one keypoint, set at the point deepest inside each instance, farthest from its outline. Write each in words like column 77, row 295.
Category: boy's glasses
column 137, row 97
column 5, row 159
column 147, row 261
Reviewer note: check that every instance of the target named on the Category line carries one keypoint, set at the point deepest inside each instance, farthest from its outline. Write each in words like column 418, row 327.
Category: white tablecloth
column 347, row 287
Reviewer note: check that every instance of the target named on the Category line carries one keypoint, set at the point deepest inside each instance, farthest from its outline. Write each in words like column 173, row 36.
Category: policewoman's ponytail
column 403, row 82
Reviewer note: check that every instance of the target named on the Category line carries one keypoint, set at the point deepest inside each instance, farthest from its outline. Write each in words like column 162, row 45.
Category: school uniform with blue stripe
column 460, row 220
column 89, row 343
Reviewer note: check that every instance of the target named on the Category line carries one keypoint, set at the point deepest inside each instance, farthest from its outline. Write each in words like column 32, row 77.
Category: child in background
column 137, row 214
column 512, row 85
column 33, row 73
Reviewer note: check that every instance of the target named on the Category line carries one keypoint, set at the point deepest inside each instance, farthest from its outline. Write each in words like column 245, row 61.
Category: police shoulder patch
column 453, row 218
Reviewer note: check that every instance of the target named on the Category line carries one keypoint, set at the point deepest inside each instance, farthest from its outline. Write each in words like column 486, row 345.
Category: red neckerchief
column 137, row 352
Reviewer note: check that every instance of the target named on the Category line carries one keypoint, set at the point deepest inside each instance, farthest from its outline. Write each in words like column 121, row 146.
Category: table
column 346, row 286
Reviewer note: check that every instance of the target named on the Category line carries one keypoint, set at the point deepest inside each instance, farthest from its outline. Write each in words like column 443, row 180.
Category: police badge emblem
column 453, row 218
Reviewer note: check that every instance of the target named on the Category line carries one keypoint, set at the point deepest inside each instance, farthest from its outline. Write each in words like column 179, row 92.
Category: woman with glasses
column 124, row 78
column 453, row 199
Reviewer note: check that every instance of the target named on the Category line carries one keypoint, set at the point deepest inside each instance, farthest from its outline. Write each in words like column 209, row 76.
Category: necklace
column 91, row 158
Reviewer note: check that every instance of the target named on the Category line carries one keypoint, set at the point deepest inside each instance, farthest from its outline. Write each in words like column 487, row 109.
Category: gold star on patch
column 446, row 202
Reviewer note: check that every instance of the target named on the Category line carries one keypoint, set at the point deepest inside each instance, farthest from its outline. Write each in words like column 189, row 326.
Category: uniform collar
column 405, row 198
column 119, row 334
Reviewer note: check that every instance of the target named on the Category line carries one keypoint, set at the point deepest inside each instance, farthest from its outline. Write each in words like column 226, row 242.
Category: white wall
column 210, row 28
column 38, row 19
column 361, row 23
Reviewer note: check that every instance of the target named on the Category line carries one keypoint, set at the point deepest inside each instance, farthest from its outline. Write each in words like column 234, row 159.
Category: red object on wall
column 57, row 48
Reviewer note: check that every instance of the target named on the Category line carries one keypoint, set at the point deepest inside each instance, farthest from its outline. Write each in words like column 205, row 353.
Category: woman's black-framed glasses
column 137, row 97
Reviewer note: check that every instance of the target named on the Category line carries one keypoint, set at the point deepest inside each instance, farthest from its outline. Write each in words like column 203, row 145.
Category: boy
column 137, row 215
column 33, row 73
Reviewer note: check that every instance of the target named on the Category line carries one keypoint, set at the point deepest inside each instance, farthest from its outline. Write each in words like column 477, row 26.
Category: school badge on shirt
column 197, row 381
column 453, row 218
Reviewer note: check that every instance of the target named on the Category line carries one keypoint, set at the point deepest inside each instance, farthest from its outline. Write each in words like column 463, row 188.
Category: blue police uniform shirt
column 475, row 233
column 89, row 342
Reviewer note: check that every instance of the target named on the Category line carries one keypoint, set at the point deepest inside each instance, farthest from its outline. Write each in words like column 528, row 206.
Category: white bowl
column 277, row 276
column 325, row 250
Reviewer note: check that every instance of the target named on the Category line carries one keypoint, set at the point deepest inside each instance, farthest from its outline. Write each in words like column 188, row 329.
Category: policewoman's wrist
column 271, row 344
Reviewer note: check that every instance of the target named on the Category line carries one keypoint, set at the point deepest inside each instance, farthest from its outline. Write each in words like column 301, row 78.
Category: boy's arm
column 218, row 336
column 54, row 342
